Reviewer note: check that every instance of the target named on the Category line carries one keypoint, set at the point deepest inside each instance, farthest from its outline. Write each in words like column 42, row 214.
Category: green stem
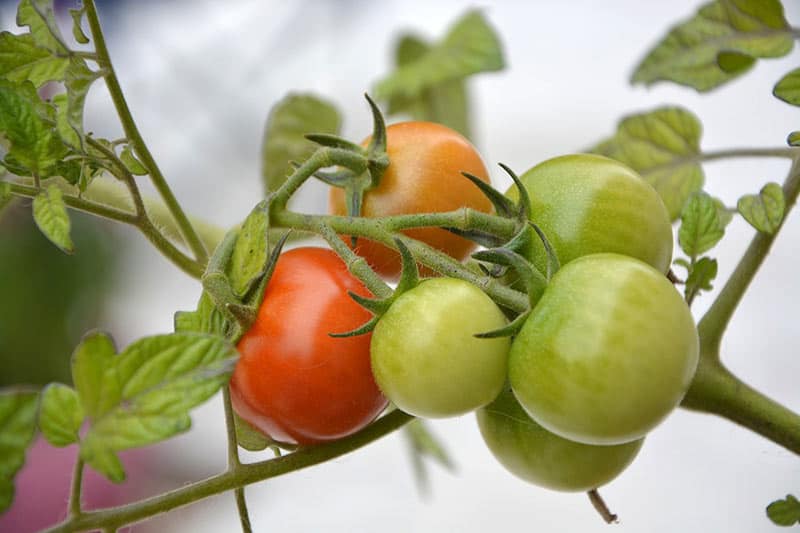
column 786, row 153
column 247, row 474
column 233, row 459
column 356, row 264
column 75, row 491
column 376, row 229
column 714, row 388
column 187, row 231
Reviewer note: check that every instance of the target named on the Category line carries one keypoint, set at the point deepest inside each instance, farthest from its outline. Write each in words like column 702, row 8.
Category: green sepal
column 524, row 202
column 377, row 144
column 334, row 141
column 553, row 264
column 533, row 280
column 503, row 206
column 509, row 330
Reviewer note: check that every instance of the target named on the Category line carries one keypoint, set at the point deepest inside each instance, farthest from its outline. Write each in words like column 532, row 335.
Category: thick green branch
column 117, row 517
column 187, row 231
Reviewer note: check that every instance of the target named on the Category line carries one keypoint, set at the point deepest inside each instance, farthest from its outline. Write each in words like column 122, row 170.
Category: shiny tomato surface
column 293, row 381
column 424, row 176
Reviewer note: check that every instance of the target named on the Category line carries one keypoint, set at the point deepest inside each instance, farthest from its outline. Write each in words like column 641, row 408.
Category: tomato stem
column 116, row 517
column 74, row 505
column 600, row 506
column 234, row 463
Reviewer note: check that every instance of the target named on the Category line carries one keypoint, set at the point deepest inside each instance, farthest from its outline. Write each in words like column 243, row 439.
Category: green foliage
column 249, row 437
column 130, row 161
column 702, row 225
column 89, row 361
column 764, row 211
column 793, row 139
column 50, row 214
column 718, row 44
column 424, row 444
column 788, row 88
column 17, row 428
column 21, row 59
column 699, row 278
column 664, row 147
column 60, row 414
column 147, row 391
column 206, row 319
column 251, row 250
column 428, row 81
column 785, row 512
column 284, row 135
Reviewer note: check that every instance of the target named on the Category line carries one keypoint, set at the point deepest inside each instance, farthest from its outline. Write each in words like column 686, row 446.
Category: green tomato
column 607, row 353
column 538, row 456
column 425, row 356
column 589, row 204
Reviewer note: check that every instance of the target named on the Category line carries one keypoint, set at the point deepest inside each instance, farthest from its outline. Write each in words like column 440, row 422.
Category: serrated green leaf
column 130, row 161
column 701, row 274
column 784, row 512
column 788, row 88
column 206, row 319
column 77, row 31
column 21, row 59
column 78, row 80
column 50, row 214
column 249, row 437
column 149, row 390
column 470, row 46
column 764, row 211
column 701, row 227
column 60, row 415
column 38, row 15
column 17, row 428
column 664, row 147
column 27, row 123
column 689, row 54
column 251, row 250
column 90, row 360
column 289, row 120
column 793, row 139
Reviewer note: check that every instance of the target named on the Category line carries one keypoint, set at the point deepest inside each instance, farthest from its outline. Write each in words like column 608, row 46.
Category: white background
column 200, row 78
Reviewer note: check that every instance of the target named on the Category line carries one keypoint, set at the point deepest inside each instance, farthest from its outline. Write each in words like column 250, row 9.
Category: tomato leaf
column 77, row 31
column 702, row 226
column 26, row 122
column 788, row 88
column 793, row 139
column 206, row 319
column 60, row 415
column 39, row 17
column 445, row 103
column 284, row 134
column 764, row 211
column 79, row 78
column 89, row 361
column 21, row 59
column 784, row 512
column 131, row 162
column 711, row 48
column 50, row 214
column 470, row 46
column 148, row 390
column 251, row 250
column 249, row 437
column 17, row 428
column 664, row 147
column 699, row 278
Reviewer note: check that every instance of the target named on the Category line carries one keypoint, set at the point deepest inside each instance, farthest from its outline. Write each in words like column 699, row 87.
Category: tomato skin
column 586, row 203
column 607, row 353
column 424, row 176
column 293, row 381
column 538, row 456
column 424, row 353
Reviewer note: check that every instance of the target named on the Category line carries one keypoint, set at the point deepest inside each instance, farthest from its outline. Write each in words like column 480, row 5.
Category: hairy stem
column 187, row 231
column 74, row 505
column 233, row 459
column 116, row 517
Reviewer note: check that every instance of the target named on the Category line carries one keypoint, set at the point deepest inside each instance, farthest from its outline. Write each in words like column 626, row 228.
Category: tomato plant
column 608, row 352
column 586, row 203
column 538, row 456
column 424, row 175
column 425, row 355
column 295, row 382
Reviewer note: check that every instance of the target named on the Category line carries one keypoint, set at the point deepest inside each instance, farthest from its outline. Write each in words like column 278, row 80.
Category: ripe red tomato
column 424, row 176
column 293, row 381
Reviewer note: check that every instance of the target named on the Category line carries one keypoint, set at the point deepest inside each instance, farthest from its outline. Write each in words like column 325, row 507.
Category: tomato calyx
column 409, row 278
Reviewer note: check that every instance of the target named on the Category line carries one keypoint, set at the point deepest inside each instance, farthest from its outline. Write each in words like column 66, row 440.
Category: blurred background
column 200, row 78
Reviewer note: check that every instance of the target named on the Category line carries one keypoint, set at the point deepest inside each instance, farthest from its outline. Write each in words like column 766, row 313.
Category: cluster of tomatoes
column 607, row 351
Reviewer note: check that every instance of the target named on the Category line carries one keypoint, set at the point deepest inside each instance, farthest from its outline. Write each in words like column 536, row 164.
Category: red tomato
column 293, row 381
column 424, row 176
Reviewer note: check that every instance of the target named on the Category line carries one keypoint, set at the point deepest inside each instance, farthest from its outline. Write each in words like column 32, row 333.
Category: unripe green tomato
column 538, row 456
column 425, row 356
column 607, row 353
column 587, row 204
